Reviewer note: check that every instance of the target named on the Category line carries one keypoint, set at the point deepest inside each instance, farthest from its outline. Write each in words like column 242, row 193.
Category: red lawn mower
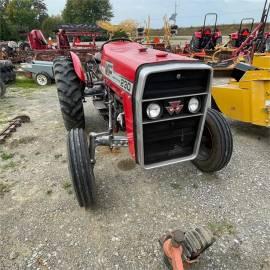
column 207, row 38
column 237, row 38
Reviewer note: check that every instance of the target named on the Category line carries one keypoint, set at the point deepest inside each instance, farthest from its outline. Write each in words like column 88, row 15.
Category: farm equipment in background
column 159, row 99
column 7, row 75
column 207, row 38
column 40, row 71
column 256, row 42
column 246, row 97
column 157, row 43
column 15, row 52
column 69, row 38
column 12, row 126
column 126, row 27
column 237, row 38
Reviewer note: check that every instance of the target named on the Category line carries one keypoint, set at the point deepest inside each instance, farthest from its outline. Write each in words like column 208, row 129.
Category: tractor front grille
column 174, row 136
column 166, row 84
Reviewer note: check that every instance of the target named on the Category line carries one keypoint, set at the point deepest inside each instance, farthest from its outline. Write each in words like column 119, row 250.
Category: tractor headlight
column 194, row 105
column 153, row 111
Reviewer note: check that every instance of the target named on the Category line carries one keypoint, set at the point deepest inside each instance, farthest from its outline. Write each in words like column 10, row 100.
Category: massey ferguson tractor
column 161, row 101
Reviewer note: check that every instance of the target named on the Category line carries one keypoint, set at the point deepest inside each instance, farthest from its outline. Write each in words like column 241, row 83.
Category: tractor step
column 96, row 90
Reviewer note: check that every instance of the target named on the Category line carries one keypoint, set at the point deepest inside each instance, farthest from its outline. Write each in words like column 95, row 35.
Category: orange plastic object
column 174, row 254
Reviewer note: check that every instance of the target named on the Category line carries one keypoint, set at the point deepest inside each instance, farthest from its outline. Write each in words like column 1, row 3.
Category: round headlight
column 194, row 105
column 153, row 111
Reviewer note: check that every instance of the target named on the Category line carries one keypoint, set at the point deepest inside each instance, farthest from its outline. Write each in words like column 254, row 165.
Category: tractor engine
column 160, row 100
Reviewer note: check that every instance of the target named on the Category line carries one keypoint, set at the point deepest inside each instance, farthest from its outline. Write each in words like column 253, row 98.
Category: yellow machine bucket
column 247, row 97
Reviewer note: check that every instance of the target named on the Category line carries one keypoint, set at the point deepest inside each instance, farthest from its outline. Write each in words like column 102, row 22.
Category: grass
column 25, row 83
column 222, row 227
column 6, row 156
column 68, row 187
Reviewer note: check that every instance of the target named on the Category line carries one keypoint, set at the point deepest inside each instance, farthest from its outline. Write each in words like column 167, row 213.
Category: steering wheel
column 113, row 40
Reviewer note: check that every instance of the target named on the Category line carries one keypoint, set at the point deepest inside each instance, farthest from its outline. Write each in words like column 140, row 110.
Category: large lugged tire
column 80, row 168
column 70, row 93
column 216, row 145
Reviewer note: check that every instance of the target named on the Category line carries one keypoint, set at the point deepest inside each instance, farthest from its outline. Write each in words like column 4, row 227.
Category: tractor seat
column 245, row 32
column 207, row 32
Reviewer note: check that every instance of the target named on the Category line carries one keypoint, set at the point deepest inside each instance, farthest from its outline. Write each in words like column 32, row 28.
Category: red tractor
column 237, row 38
column 69, row 37
column 207, row 38
column 160, row 100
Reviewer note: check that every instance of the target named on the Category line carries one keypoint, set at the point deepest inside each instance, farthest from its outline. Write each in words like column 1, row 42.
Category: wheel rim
column 42, row 80
column 206, row 147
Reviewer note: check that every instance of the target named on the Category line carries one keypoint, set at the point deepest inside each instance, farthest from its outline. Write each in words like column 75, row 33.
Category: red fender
column 77, row 66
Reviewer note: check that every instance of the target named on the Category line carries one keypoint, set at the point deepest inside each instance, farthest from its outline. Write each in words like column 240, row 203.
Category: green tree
column 4, row 28
column 50, row 24
column 87, row 11
column 25, row 15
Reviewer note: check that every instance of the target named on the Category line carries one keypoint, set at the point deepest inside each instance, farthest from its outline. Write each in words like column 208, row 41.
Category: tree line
column 17, row 17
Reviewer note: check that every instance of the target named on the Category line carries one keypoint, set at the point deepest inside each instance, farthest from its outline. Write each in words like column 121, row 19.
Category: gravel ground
column 42, row 226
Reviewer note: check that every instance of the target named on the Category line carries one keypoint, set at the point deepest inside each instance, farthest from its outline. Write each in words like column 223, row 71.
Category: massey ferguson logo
column 175, row 107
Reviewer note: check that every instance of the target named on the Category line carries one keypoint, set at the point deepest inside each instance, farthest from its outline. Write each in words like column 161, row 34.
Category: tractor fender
column 77, row 66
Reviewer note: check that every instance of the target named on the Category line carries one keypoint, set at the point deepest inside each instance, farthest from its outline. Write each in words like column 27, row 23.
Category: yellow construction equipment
column 246, row 98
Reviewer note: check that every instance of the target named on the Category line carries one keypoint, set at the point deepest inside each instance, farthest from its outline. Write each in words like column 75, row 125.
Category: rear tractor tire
column 217, row 144
column 70, row 93
column 81, row 168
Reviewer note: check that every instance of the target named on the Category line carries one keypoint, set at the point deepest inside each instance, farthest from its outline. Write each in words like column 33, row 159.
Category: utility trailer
column 40, row 71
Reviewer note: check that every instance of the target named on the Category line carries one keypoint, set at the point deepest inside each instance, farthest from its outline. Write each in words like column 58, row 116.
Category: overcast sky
column 190, row 12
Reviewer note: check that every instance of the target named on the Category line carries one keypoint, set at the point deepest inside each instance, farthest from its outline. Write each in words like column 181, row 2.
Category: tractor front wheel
column 81, row 168
column 70, row 93
column 216, row 145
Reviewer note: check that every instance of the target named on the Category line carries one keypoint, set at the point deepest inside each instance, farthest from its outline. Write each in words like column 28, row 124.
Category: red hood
column 127, row 57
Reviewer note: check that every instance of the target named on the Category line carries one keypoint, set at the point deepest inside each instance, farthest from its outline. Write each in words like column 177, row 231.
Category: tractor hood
column 126, row 57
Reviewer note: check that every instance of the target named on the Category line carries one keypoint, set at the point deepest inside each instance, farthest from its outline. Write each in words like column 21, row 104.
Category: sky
column 190, row 12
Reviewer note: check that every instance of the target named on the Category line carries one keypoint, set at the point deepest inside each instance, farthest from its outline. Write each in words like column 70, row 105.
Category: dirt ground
column 42, row 226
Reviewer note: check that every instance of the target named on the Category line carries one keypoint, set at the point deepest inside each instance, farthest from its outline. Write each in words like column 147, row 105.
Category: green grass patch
column 222, row 227
column 66, row 185
column 6, row 156
column 25, row 83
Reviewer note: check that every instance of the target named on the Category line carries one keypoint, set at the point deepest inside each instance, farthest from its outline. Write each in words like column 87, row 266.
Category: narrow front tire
column 216, row 145
column 81, row 168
